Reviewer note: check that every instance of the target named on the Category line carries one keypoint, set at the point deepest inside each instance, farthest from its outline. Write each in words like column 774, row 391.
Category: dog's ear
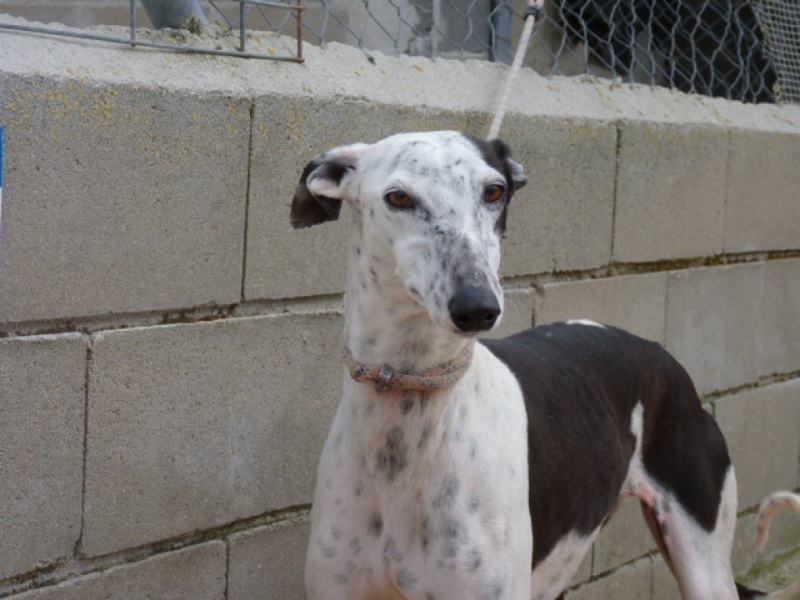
column 515, row 170
column 323, row 185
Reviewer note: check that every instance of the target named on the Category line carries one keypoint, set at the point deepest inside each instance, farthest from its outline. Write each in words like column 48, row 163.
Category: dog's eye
column 399, row 199
column 493, row 193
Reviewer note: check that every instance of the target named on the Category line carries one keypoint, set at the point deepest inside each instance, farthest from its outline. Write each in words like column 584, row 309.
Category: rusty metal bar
column 135, row 41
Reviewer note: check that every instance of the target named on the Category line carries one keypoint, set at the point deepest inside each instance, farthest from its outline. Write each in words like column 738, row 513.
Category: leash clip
column 384, row 378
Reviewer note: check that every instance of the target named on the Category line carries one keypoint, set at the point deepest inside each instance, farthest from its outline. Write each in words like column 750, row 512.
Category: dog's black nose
column 474, row 309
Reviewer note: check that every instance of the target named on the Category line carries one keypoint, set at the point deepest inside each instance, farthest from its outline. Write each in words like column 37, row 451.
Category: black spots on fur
column 474, row 560
column 341, row 578
column 374, row 276
column 407, row 403
column 393, row 457
column 358, row 490
column 355, row 546
column 473, row 504
column 328, row 551
column 497, row 588
column 390, row 552
column 448, row 492
column 426, row 533
column 454, row 535
column 336, row 534
column 375, row 525
column 425, row 433
column 430, row 596
column 664, row 528
column 472, row 447
column 406, row 579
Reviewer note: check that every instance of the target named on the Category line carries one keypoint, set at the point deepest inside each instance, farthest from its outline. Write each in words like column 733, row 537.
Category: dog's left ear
column 323, row 185
column 514, row 169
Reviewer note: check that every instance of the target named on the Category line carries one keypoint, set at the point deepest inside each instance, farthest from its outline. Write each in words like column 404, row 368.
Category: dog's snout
column 474, row 309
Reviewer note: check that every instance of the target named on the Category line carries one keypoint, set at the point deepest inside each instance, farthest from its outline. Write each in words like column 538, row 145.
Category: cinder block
column 194, row 573
column 42, row 396
column 120, row 199
column 762, row 428
column 625, row 538
column 784, row 534
column 635, row 302
column 267, row 563
column 665, row 586
column 762, row 211
column 781, row 317
column 287, row 134
column 631, row 582
column 194, row 426
column 517, row 313
column 670, row 191
column 562, row 220
column 744, row 554
column 714, row 324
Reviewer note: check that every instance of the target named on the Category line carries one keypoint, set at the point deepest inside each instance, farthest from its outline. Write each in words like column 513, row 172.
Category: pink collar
column 386, row 378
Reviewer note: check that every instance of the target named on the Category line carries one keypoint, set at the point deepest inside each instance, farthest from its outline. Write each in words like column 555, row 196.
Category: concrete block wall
column 170, row 350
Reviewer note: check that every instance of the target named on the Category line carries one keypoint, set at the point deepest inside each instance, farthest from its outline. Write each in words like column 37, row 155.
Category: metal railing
column 746, row 50
column 135, row 39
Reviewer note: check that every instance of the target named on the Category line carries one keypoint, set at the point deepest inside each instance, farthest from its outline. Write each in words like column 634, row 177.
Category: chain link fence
column 737, row 49
column 746, row 50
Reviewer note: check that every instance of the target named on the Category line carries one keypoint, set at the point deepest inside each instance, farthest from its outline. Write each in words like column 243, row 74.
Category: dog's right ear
column 323, row 185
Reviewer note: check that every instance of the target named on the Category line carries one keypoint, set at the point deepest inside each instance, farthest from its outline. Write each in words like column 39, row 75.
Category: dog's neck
column 383, row 324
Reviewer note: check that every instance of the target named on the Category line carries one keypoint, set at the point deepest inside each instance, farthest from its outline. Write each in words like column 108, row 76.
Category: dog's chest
column 427, row 487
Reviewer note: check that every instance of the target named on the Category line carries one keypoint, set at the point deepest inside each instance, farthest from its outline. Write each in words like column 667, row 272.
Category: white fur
column 700, row 560
column 420, row 495
column 424, row 496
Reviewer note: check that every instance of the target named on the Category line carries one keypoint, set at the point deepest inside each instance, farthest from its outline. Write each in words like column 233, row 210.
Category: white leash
column 535, row 8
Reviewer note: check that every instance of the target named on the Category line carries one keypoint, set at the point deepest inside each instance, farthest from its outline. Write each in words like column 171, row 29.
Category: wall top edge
column 344, row 72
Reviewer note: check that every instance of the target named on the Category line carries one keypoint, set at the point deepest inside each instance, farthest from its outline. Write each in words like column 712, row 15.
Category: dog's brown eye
column 399, row 199
column 493, row 193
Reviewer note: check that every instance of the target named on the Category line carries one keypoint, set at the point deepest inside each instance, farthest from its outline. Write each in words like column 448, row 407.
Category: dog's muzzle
column 474, row 309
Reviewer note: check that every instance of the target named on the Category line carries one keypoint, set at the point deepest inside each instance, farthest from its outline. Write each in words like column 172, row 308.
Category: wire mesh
column 746, row 50
column 780, row 24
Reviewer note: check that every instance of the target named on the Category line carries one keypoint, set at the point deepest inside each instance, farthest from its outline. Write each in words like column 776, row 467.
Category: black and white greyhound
column 464, row 469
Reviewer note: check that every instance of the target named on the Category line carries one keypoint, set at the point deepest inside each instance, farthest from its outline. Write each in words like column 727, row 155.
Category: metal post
column 501, row 30
column 133, row 22
column 174, row 13
column 241, row 27
column 300, row 10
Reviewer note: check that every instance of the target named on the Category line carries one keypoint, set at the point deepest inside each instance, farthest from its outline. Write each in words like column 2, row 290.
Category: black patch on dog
column 497, row 155
column 376, row 524
column 393, row 457
column 308, row 209
column 580, row 384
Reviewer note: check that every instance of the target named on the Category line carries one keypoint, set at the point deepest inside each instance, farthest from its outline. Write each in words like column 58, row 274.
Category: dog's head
column 431, row 208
